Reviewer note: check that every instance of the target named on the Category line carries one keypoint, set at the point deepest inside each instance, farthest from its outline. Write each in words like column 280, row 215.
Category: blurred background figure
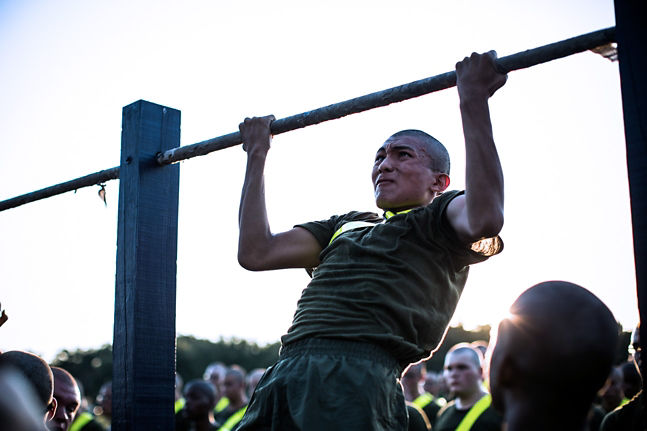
column 68, row 400
column 471, row 407
column 20, row 408
column 84, row 420
column 436, row 385
column 37, row 375
column 631, row 381
column 631, row 416
column 234, row 390
column 412, row 381
column 197, row 413
column 179, row 399
column 551, row 357
column 215, row 374
column 103, row 410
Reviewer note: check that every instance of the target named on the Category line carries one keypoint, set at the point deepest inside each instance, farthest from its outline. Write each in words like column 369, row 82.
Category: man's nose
column 385, row 165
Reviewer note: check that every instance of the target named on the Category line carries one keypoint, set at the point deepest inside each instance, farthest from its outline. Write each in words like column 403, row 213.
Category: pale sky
column 68, row 67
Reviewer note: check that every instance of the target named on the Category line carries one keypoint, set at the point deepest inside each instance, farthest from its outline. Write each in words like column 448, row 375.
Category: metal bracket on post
column 144, row 327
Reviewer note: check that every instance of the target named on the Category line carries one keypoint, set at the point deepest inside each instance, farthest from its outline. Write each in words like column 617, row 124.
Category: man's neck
column 411, row 394
column 237, row 403
column 204, row 424
column 467, row 401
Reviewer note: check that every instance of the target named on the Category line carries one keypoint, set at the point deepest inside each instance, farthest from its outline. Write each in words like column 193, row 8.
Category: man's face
column 198, row 404
column 462, row 374
column 402, row 177
column 232, row 387
column 68, row 399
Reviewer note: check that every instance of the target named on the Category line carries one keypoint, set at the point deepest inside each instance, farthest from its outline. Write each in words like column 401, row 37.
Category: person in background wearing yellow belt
column 234, row 390
column 412, row 381
column 471, row 408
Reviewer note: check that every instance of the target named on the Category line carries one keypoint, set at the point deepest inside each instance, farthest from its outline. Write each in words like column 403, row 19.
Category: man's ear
column 441, row 182
column 51, row 410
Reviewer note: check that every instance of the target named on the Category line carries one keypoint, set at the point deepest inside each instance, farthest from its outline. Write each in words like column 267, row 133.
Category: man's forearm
column 484, row 176
column 252, row 217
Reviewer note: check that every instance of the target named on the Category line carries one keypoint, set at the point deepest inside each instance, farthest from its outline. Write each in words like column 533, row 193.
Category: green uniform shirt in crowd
column 427, row 404
column 394, row 283
column 480, row 417
column 84, row 421
column 233, row 420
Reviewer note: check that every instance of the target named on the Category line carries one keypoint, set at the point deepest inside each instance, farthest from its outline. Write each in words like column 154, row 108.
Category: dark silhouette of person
column 551, row 357
column 197, row 413
column 37, row 372
column 631, row 416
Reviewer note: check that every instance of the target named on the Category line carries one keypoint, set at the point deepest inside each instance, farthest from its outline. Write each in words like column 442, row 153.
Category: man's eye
column 405, row 154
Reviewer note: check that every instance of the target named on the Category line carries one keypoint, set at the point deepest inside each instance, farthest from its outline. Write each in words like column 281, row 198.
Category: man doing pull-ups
column 383, row 289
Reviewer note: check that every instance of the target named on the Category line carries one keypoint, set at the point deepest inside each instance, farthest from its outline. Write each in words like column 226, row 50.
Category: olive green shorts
column 324, row 384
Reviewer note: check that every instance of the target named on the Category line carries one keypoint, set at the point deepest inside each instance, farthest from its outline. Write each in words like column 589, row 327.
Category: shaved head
column 556, row 347
column 438, row 155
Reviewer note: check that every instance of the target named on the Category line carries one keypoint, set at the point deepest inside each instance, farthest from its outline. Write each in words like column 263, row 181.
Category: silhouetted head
column 234, row 384
column 200, row 399
column 37, row 372
column 553, row 353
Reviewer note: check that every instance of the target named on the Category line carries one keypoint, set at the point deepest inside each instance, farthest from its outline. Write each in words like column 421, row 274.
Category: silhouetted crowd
column 550, row 366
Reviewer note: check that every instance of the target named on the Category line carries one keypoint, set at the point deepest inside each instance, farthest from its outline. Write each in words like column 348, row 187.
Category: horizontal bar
column 403, row 92
column 68, row 186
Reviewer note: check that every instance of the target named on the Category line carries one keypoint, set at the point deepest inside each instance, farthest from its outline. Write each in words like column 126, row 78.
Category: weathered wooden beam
column 521, row 60
column 144, row 326
column 403, row 92
column 631, row 16
column 68, row 186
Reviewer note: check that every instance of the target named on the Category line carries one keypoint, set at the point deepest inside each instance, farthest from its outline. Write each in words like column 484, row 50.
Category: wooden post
column 631, row 32
column 144, row 332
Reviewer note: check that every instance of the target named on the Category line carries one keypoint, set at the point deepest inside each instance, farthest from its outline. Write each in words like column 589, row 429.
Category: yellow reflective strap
column 179, row 404
column 233, row 420
column 357, row 224
column 350, row 226
column 423, row 400
column 390, row 214
column 474, row 413
column 222, row 404
column 80, row 421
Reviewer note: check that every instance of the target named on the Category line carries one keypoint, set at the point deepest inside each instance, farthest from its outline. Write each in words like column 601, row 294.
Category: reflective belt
column 474, row 413
column 423, row 400
column 233, row 420
column 390, row 214
column 222, row 404
column 179, row 404
column 357, row 224
column 80, row 421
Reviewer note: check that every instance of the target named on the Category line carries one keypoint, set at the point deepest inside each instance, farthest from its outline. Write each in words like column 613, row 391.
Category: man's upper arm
column 480, row 246
column 295, row 248
column 456, row 215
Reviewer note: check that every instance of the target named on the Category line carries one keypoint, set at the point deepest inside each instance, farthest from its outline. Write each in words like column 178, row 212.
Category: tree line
column 93, row 367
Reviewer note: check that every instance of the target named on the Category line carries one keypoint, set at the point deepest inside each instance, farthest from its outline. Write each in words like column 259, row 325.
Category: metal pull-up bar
column 400, row 93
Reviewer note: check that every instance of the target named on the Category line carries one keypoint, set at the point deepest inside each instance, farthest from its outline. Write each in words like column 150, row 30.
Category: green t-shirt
column 449, row 417
column 394, row 283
